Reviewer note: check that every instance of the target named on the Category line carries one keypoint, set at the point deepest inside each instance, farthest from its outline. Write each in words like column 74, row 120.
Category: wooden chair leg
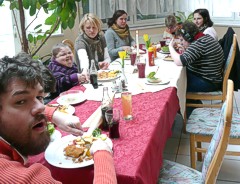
column 192, row 151
column 199, row 154
column 184, row 122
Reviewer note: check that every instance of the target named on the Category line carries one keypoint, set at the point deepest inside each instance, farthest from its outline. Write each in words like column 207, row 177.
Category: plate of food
column 71, row 151
column 153, row 80
column 68, row 109
column 165, row 50
column 168, row 58
column 108, row 75
column 71, row 97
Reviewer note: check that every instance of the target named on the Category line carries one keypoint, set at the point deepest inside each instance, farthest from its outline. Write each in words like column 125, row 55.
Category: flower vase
column 123, row 80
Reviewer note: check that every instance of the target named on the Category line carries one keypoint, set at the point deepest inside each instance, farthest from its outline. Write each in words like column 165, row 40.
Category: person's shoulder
column 109, row 30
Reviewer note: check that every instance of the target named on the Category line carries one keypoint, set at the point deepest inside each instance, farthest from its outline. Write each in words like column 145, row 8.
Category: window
column 144, row 13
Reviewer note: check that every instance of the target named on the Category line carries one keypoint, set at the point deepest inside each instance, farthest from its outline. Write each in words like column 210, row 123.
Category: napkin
column 93, row 121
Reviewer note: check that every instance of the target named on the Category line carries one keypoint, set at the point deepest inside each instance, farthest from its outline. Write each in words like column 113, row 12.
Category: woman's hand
column 83, row 77
column 103, row 65
column 67, row 123
column 126, row 48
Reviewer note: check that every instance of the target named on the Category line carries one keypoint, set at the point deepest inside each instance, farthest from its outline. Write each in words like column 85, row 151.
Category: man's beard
column 26, row 146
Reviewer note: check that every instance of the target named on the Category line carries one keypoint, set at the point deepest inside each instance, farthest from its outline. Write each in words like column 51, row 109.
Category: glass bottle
column 105, row 105
column 93, row 74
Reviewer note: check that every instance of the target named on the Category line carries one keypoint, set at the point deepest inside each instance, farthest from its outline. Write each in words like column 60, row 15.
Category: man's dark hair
column 188, row 31
column 11, row 68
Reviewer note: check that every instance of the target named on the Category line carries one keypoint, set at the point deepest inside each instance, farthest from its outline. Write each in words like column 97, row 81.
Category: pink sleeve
column 104, row 171
column 49, row 110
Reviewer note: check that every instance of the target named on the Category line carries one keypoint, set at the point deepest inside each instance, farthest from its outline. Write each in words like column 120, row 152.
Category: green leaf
column 26, row 4
column 64, row 25
column 71, row 22
column 39, row 31
column 30, row 38
column 50, row 20
column 33, row 8
column 1, row 2
column 39, row 37
column 13, row 5
column 38, row 26
column 64, row 14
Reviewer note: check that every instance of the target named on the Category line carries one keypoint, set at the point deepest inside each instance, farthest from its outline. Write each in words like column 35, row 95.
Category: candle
column 137, row 43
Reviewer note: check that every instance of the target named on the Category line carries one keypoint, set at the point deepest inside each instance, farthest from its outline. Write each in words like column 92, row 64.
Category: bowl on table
column 71, row 97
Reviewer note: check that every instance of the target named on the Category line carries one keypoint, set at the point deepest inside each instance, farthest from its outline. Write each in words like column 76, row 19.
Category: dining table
column 138, row 153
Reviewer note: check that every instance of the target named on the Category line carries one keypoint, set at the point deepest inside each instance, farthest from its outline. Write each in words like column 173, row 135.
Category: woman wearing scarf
column 118, row 35
column 204, row 23
column 91, row 44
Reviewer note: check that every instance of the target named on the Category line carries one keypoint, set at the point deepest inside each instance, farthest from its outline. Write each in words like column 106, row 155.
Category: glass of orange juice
column 127, row 105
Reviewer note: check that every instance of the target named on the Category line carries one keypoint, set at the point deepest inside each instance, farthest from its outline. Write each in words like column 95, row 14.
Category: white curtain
column 106, row 8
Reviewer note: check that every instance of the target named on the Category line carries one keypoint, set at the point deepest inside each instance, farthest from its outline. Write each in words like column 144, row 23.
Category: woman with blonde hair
column 91, row 44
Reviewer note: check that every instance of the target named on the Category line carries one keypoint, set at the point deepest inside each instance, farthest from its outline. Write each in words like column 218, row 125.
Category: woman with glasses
column 64, row 69
column 91, row 44
column 204, row 23
column 118, row 35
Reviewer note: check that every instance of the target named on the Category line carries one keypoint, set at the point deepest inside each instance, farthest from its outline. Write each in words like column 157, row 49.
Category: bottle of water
column 93, row 74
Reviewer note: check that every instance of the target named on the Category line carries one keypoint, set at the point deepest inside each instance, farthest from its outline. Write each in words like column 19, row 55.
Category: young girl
column 63, row 68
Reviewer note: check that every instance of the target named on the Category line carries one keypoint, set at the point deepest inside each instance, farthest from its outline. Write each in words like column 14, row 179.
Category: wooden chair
column 69, row 43
column 216, row 95
column 201, row 126
column 173, row 172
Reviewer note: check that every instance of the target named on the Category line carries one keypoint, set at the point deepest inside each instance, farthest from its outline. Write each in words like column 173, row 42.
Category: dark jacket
column 226, row 43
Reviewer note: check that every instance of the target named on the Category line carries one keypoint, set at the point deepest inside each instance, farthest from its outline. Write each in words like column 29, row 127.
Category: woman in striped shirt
column 203, row 59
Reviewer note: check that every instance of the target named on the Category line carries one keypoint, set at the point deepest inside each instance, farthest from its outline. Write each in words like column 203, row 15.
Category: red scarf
column 199, row 35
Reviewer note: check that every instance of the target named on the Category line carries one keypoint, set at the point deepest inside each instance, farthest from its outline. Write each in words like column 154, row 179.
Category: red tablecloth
column 138, row 154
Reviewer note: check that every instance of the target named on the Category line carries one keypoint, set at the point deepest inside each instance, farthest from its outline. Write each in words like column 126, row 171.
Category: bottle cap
column 150, row 49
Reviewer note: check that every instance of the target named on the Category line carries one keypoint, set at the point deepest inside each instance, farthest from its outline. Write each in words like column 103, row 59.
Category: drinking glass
column 141, row 65
column 113, row 117
column 133, row 58
column 127, row 105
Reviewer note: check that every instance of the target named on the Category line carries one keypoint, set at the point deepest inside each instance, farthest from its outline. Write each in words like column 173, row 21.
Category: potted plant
column 61, row 13
column 181, row 17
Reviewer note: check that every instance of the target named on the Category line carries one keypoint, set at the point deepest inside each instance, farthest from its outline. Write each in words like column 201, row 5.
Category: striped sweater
column 204, row 57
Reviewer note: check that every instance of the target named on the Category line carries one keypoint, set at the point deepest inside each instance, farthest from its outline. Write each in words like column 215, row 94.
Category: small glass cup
column 127, row 105
column 133, row 56
column 113, row 117
column 141, row 65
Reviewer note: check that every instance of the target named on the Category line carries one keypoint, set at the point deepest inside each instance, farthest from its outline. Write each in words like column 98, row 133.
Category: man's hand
column 67, row 123
column 103, row 65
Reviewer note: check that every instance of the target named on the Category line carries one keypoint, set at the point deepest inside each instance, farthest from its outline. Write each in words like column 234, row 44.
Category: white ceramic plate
column 162, row 52
column 71, row 98
column 107, row 79
column 55, row 136
column 54, row 154
column 168, row 58
column 162, row 82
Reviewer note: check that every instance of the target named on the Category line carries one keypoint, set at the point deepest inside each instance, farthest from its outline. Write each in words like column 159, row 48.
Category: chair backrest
column 69, row 43
column 228, row 66
column 218, row 145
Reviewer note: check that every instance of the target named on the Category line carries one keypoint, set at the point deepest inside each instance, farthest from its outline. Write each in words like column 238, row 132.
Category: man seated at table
column 23, row 129
column 203, row 59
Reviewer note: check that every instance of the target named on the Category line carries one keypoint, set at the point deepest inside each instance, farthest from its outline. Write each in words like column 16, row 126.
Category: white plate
column 162, row 82
column 107, row 79
column 54, row 154
column 168, row 59
column 76, row 98
column 55, row 136
column 164, row 52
